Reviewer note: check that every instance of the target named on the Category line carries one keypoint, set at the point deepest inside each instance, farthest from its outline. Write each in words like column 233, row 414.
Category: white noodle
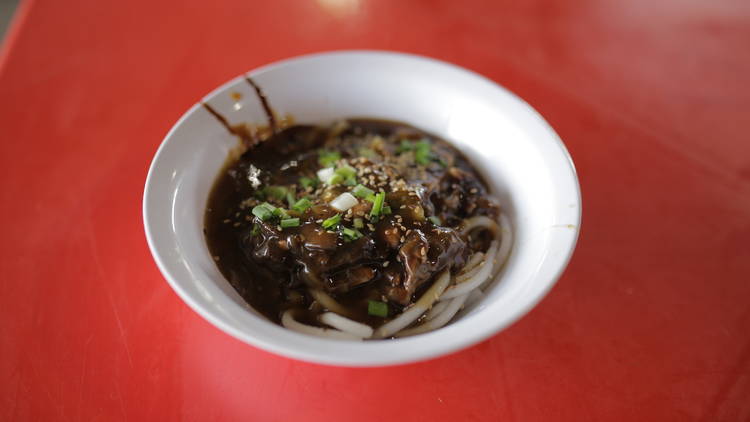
column 288, row 321
column 506, row 241
column 419, row 308
column 474, row 296
column 480, row 277
column 328, row 302
column 443, row 318
column 436, row 310
column 346, row 325
column 475, row 259
column 479, row 221
column 463, row 276
column 503, row 251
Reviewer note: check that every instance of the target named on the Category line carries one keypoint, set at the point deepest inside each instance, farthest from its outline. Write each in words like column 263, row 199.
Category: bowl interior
column 518, row 153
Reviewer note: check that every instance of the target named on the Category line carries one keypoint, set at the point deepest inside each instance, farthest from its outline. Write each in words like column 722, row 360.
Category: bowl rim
column 383, row 358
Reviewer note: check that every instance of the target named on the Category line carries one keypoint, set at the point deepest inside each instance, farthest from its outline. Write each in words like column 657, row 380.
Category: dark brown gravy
column 271, row 278
column 397, row 255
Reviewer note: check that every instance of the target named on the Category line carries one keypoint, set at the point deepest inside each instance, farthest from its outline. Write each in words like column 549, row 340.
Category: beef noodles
column 357, row 229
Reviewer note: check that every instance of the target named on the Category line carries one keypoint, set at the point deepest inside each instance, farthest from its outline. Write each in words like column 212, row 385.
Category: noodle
column 475, row 259
column 436, row 310
column 441, row 319
column 482, row 222
column 328, row 302
column 480, row 277
column 346, row 325
column 419, row 308
column 288, row 321
column 505, row 242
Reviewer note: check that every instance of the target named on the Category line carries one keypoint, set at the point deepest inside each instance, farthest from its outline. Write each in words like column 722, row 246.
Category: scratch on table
column 119, row 325
column 57, row 404
column 122, row 402
column 83, row 371
column 100, row 270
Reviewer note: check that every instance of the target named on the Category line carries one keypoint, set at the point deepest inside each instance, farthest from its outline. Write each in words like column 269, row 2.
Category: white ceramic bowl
column 521, row 157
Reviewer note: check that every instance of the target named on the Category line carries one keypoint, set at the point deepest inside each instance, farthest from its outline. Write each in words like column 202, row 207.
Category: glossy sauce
column 273, row 269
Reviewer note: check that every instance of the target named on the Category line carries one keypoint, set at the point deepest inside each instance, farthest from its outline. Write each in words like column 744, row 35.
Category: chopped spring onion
column 422, row 152
column 335, row 179
column 276, row 192
column 290, row 199
column 406, row 145
column 377, row 308
column 367, row 152
column 328, row 158
column 264, row 211
column 280, row 212
column 346, row 171
column 308, row 182
column 358, row 223
column 361, row 191
column 332, row 221
column 302, row 205
column 435, row 220
column 351, row 234
column 377, row 205
column 289, row 222
column 255, row 231
column 344, row 201
column 347, row 174
column 326, row 174
column 387, row 210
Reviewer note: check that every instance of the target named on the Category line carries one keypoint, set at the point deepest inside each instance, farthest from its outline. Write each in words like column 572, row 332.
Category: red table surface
column 651, row 321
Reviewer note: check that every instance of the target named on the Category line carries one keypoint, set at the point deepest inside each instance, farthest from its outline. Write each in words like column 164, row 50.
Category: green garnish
column 264, row 211
column 328, row 158
column 290, row 199
column 358, row 223
column 351, row 234
column 377, row 308
column 280, row 212
column 276, row 192
column 346, row 171
column 422, row 152
column 387, row 210
column 377, row 205
column 332, row 221
column 289, row 222
column 435, row 220
column 308, row 182
column 367, row 152
column 302, row 205
column 361, row 191
column 405, row 146
column 255, row 231
column 346, row 174
column 335, row 179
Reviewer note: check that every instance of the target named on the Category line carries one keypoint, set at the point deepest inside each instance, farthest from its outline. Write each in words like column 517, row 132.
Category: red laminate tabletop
column 651, row 321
